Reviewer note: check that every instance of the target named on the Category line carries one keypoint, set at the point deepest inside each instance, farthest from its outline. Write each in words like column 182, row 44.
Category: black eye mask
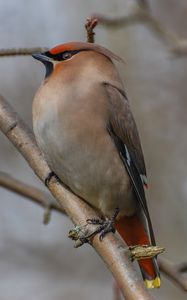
column 63, row 55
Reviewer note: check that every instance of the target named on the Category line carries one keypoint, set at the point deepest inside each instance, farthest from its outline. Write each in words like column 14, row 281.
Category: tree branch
column 91, row 23
column 170, row 270
column 174, row 272
column 111, row 249
column 21, row 51
column 140, row 13
column 32, row 193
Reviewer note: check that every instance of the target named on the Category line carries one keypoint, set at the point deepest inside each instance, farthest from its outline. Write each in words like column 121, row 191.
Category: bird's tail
column 132, row 230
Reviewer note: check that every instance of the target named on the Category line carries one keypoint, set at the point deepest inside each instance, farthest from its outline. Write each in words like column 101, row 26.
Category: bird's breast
column 72, row 133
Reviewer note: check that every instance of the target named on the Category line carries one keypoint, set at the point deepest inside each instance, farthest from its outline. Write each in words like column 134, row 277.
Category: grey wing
column 124, row 133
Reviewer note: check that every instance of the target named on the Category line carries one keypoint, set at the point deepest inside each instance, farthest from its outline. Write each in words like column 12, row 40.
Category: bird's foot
column 49, row 177
column 82, row 234
column 105, row 225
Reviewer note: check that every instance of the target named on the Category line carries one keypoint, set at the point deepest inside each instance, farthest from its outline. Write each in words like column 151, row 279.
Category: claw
column 105, row 227
column 82, row 235
column 95, row 221
column 105, row 230
column 49, row 176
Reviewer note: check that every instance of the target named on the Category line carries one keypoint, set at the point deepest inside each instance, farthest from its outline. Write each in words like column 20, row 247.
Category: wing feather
column 124, row 133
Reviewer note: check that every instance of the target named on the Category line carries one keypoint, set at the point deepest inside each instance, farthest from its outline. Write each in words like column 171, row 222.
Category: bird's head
column 65, row 52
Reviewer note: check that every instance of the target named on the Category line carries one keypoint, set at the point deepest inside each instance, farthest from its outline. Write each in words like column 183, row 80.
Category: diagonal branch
column 111, row 249
column 174, row 272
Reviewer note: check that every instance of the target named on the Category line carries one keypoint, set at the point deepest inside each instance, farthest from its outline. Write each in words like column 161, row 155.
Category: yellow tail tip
column 151, row 284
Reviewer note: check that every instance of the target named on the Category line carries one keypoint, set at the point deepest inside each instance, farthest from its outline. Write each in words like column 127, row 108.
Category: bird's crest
column 81, row 46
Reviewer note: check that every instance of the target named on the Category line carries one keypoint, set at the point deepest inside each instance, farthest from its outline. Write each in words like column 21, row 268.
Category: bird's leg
column 105, row 225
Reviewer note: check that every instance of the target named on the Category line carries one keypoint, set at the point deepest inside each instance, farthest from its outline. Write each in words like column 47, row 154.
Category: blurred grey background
column 39, row 262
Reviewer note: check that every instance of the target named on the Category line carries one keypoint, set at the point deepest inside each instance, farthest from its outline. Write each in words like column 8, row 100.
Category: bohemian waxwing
column 85, row 128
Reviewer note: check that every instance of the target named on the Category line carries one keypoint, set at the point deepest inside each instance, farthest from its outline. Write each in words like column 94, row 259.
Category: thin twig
column 21, row 51
column 30, row 192
column 138, row 14
column 141, row 14
column 91, row 23
column 111, row 249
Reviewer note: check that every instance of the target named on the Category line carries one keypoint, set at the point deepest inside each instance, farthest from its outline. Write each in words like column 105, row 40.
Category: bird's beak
column 47, row 61
column 41, row 57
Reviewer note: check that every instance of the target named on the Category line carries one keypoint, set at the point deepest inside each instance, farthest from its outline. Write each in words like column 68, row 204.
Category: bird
column 84, row 126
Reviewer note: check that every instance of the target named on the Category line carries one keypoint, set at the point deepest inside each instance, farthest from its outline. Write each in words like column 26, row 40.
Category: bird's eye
column 66, row 55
